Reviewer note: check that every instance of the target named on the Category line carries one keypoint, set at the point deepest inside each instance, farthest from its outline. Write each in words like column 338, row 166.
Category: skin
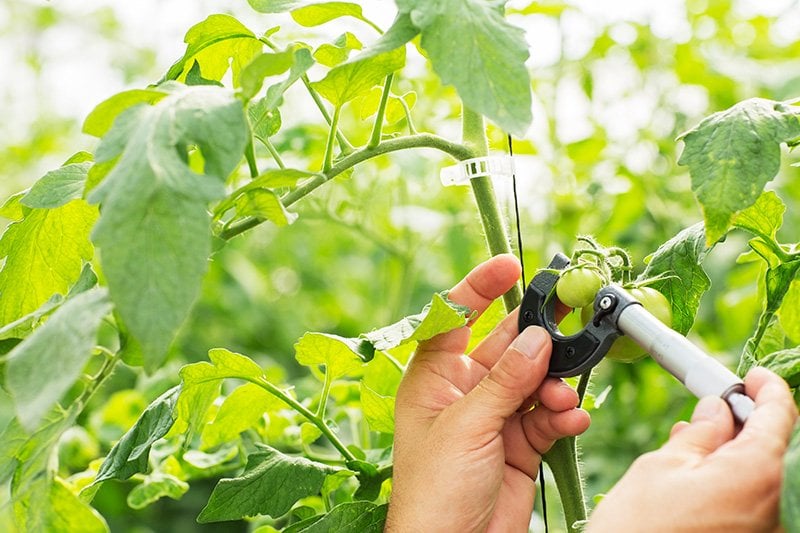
column 710, row 476
column 467, row 450
column 468, row 446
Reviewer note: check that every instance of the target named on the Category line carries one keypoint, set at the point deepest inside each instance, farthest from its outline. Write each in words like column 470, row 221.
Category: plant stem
column 421, row 140
column 250, row 155
column 494, row 227
column 323, row 399
column 563, row 462
column 343, row 142
column 274, row 153
column 311, row 417
column 326, row 165
column 375, row 138
column 563, row 456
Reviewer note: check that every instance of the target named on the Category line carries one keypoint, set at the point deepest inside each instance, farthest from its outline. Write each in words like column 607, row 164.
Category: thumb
column 711, row 427
column 516, row 375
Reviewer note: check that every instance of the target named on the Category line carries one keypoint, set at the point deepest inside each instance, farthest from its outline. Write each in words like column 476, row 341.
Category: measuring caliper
column 618, row 313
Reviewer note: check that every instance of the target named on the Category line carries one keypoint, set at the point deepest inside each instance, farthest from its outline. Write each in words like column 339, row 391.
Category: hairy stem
column 563, row 456
column 563, row 462
column 421, row 140
column 494, row 226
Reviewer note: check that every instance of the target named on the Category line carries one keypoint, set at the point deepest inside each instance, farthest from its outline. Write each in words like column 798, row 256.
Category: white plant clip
column 461, row 173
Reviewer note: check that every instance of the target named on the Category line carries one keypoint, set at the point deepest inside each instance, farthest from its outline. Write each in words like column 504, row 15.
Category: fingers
column 770, row 424
column 711, row 426
column 486, row 282
column 490, row 349
column 518, row 373
column 477, row 290
column 543, row 426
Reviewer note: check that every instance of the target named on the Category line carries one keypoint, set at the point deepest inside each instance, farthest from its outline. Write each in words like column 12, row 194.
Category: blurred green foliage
column 600, row 159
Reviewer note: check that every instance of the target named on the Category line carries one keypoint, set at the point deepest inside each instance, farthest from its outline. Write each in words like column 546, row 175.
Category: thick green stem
column 375, row 138
column 494, row 226
column 563, row 456
column 422, row 140
column 563, row 462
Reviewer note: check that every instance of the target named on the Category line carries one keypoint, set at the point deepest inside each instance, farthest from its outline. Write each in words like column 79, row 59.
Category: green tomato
column 624, row 350
column 578, row 287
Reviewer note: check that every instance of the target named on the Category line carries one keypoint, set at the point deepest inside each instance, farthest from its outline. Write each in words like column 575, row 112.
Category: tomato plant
column 262, row 188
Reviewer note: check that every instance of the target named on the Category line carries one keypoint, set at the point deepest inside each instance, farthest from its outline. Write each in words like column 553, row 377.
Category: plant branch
column 375, row 138
column 328, row 162
column 311, row 417
column 250, row 155
column 421, row 140
column 274, row 153
column 343, row 142
column 323, row 399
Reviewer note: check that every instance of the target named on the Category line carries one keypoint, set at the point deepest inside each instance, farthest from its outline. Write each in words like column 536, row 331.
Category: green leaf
column 218, row 43
column 358, row 76
column 58, row 187
column 473, row 48
column 789, row 311
column 316, row 14
column 275, row 6
column 154, row 487
column 151, row 192
column 99, row 121
column 764, row 217
column 264, row 122
column 45, row 365
column 302, row 62
column 264, row 65
column 790, row 489
column 201, row 384
column 785, row 363
column 54, row 507
column 440, row 316
column 240, row 411
column 131, row 453
column 401, row 32
column 264, row 203
column 378, row 410
column 351, row 517
column 24, row 326
column 270, row 485
column 732, row 154
column 680, row 258
column 331, row 54
column 340, row 355
column 44, row 255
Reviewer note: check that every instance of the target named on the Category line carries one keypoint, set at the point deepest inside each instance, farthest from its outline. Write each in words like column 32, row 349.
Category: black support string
column 524, row 286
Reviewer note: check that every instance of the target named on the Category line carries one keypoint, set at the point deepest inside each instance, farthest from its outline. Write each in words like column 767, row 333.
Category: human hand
column 467, row 450
column 707, row 478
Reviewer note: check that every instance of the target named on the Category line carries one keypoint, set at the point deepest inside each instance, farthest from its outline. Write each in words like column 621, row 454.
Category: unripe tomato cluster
column 577, row 288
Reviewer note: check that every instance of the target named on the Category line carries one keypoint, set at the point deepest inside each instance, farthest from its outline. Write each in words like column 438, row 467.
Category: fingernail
column 531, row 341
column 708, row 408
